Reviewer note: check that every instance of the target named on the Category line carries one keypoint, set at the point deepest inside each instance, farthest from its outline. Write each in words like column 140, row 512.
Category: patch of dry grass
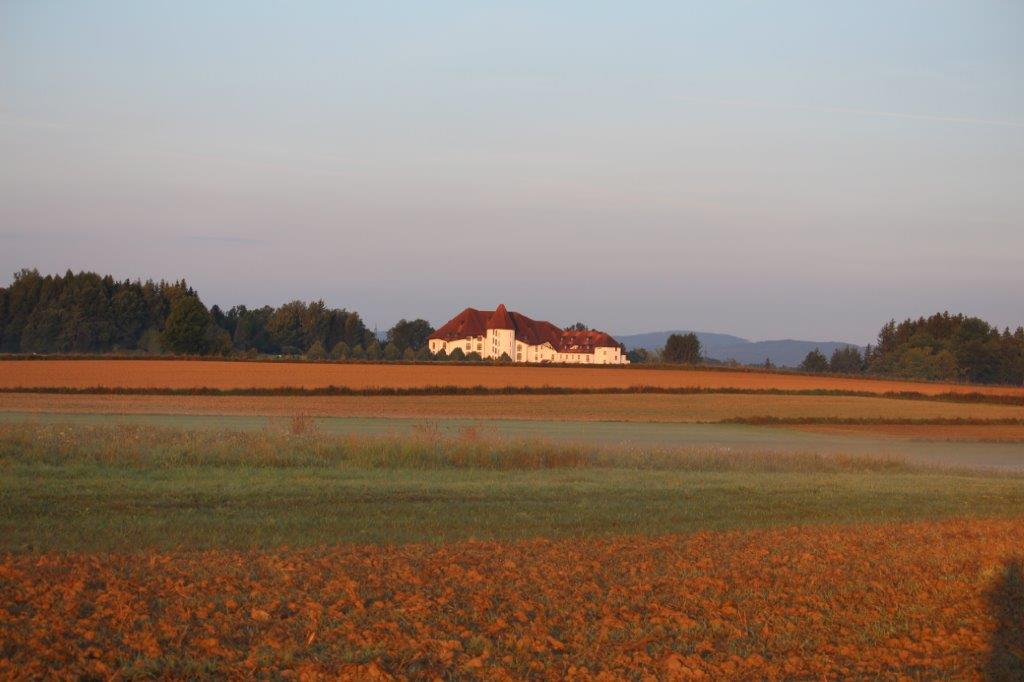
column 296, row 442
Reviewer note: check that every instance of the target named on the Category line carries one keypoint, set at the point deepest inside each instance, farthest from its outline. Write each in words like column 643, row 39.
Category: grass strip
column 768, row 420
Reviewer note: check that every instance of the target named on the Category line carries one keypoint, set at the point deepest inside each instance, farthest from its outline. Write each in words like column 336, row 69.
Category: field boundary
column 479, row 390
column 866, row 421
column 754, row 420
column 667, row 367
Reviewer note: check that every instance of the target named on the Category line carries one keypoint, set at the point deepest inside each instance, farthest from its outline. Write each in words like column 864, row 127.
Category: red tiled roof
column 473, row 322
column 500, row 319
column 470, row 322
column 585, row 342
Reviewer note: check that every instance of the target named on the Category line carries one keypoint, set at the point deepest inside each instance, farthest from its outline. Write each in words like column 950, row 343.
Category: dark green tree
column 218, row 342
column 638, row 356
column 682, row 348
column 846, row 360
column 185, row 331
column 815, row 362
column 410, row 334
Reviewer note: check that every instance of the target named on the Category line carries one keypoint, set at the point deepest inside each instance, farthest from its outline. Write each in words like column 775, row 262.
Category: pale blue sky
column 768, row 169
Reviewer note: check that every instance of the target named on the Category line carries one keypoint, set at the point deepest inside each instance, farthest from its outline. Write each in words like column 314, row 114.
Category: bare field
column 587, row 407
column 179, row 374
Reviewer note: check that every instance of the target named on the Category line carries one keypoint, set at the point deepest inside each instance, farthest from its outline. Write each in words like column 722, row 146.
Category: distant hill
column 784, row 352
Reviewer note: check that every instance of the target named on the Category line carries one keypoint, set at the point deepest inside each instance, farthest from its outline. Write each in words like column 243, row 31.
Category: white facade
column 497, row 342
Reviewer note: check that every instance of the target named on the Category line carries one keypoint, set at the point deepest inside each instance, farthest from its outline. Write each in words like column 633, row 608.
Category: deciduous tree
column 185, row 330
column 682, row 348
column 410, row 334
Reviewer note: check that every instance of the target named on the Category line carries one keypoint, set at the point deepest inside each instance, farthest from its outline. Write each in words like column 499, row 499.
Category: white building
column 494, row 333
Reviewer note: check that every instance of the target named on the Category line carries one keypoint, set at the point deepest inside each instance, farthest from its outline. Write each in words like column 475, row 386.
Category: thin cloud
column 225, row 240
column 751, row 104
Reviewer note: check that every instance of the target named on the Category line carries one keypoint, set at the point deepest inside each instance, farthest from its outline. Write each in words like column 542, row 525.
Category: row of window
column 576, row 357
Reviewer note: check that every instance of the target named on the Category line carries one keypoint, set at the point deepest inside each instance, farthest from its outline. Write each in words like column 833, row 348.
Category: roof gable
column 500, row 319
column 473, row 322
column 470, row 322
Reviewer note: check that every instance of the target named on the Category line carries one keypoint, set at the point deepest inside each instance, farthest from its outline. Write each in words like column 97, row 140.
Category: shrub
column 316, row 351
column 341, row 351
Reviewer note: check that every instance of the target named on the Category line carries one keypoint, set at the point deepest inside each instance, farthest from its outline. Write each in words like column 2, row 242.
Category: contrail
column 862, row 112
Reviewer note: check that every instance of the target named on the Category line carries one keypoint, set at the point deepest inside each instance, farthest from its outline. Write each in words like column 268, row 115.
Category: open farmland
column 504, row 536
column 177, row 374
column 924, row 600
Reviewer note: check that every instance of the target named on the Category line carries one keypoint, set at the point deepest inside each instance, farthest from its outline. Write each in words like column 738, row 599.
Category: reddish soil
column 181, row 374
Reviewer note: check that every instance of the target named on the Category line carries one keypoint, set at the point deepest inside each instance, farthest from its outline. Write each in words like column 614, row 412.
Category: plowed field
column 921, row 600
column 267, row 375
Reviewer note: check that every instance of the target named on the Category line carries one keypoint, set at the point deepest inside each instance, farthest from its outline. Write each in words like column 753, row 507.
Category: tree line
column 679, row 349
column 90, row 313
column 942, row 347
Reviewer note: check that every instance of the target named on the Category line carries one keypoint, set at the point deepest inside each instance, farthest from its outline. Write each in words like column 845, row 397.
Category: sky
column 766, row 169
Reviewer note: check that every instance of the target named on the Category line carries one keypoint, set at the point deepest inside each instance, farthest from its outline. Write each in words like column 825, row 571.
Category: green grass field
column 67, row 487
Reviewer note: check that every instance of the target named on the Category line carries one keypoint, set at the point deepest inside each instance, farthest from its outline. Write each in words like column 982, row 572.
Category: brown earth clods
column 923, row 600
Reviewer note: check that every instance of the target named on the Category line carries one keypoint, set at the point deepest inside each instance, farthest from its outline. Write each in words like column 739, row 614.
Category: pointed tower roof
column 500, row 319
